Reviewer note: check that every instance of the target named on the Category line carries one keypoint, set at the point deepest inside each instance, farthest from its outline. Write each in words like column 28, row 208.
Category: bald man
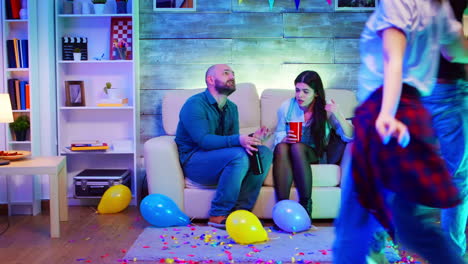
column 213, row 153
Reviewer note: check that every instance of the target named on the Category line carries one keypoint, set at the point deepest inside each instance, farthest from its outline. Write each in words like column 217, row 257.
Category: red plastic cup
column 296, row 127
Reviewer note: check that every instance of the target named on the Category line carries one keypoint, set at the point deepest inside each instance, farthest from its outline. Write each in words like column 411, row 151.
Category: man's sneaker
column 218, row 222
column 313, row 228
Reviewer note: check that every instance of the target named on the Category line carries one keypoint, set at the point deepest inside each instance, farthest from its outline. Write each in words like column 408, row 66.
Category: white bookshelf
column 24, row 191
column 91, row 122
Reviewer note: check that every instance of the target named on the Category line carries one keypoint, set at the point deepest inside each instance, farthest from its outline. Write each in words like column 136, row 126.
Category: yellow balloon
column 245, row 228
column 115, row 199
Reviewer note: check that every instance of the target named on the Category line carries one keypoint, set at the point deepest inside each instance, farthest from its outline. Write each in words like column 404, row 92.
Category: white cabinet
column 88, row 114
column 20, row 65
column 20, row 79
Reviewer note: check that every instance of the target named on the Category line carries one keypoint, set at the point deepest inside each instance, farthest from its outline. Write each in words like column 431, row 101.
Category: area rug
column 207, row 244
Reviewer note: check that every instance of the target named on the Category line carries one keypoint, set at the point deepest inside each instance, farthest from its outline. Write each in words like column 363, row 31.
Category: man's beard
column 226, row 88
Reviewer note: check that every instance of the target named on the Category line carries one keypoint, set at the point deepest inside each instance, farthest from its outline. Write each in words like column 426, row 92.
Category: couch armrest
column 163, row 171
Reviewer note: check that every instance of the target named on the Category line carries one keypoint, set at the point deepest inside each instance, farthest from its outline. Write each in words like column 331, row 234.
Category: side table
column 56, row 169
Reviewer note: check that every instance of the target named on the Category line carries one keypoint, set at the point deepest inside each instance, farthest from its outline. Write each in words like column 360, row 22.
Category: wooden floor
column 86, row 238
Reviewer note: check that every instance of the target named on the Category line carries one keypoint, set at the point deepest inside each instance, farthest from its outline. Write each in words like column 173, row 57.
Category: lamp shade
column 6, row 115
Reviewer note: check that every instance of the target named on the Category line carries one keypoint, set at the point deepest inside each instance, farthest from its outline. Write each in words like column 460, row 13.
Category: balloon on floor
column 115, row 199
column 290, row 216
column 245, row 228
column 161, row 211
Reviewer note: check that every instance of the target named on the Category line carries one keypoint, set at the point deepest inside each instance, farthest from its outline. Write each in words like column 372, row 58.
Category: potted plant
column 113, row 93
column 20, row 126
column 99, row 6
column 76, row 54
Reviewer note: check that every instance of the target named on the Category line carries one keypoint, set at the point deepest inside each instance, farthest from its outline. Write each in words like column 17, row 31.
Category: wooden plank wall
column 266, row 47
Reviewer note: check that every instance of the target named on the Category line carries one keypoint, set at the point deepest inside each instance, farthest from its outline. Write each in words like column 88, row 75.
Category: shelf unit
column 89, row 121
column 24, row 28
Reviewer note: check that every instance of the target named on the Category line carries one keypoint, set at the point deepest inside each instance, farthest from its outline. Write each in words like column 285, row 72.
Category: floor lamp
column 6, row 116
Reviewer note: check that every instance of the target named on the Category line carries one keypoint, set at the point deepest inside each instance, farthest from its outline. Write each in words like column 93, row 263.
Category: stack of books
column 112, row 102
column 19, row 92
column 89, row 146
column 17, row 53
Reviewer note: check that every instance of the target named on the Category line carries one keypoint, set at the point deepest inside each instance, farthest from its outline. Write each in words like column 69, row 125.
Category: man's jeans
column 415, row 229
column 228, row 168
column 447, row 104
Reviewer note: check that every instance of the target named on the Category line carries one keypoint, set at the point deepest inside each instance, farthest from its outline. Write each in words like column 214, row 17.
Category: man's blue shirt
column 203, row 126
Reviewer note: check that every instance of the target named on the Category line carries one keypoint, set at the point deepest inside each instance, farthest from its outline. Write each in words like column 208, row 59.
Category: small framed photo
column 355, row 5
column 74, row 93
column 175, row 5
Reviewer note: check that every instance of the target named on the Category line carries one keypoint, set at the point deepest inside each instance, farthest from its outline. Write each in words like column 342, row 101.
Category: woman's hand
column 388, row 126
column 331, row 107
column 290, row 138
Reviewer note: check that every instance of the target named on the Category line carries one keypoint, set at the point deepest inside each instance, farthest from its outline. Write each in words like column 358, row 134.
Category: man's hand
column 262, row 133
column 388, row 126
column 249, row 143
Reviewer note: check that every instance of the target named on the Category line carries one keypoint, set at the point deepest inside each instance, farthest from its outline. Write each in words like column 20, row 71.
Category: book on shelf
column 112, row 102
column 22, row 85
column 28, row 97
column 11, row 53
column 23, row 52
column 8, row 11
column 104, row 146
column 17, row 94
column 17, row 55
column 88, row 144
column 12, row 93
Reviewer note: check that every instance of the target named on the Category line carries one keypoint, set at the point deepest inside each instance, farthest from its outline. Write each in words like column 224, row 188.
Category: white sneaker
column 313, row 228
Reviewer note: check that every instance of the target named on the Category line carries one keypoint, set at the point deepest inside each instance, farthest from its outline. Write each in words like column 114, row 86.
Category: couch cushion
column 245, row 97
column 326, row 201
column 271, row 100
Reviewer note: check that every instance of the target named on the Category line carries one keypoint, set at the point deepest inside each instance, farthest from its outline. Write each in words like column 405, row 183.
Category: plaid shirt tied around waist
column 416, row 172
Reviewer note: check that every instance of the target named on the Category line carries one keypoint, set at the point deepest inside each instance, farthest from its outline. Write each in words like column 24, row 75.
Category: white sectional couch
column 165, row 175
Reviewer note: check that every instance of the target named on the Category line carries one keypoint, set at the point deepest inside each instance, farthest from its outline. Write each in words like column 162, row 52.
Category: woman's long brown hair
column 317, row 128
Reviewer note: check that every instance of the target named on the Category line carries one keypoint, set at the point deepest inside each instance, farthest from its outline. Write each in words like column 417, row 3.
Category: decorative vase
column 114, row 93
column 20, row 135
column 76, row 7
column 99, row 9
column 121, row 7
column 76, row 56
column 67, row 7
column 121, row 53
column 23, row 13
column 85, row 8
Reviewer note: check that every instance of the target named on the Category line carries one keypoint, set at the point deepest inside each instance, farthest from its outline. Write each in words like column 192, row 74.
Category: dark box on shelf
column 70, row 43
column 92, row 183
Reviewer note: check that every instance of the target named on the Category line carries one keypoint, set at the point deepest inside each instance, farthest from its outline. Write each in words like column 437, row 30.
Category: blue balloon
column 290, row 216
column 160, row 211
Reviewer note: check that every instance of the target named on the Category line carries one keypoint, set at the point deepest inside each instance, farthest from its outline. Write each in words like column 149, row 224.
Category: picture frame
column 174, row 5
column 355, row 5
column 74, row 93
column 121, row 38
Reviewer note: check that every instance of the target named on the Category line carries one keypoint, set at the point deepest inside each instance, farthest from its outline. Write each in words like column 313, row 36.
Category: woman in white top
column 321, row 122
